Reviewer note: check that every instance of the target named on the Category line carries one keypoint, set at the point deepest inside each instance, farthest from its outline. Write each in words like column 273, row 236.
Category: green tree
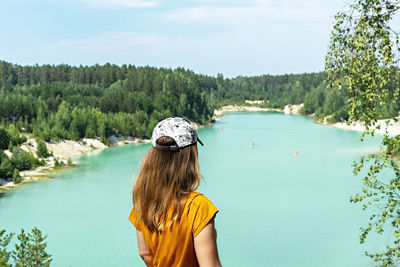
column 4, row 253
column 58, row 163
column 15, row 136
column 363, row 56
column 3, row 156
column 42, row 151
column 4, row 139
column 16, row 176
column 90, row 131
column 6, row 168
column 38, row 256
column 334, row 102
column 21, row 253
column 21, row 159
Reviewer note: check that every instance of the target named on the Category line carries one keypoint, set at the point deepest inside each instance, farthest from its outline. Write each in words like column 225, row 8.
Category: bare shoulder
column 206, row 246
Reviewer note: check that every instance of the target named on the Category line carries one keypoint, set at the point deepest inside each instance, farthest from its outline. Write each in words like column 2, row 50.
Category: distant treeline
column 57, row 102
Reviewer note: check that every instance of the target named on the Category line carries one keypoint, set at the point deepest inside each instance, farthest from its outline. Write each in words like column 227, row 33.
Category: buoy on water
column 296, row 153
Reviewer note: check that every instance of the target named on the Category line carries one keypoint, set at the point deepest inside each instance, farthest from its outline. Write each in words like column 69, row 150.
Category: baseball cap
column 179, row 129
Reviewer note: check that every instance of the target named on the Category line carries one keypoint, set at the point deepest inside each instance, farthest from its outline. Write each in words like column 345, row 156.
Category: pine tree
column 21, row 159
column 42, row 151
column 6, row 168
column 38, row 256
column 4, row 139
column 21, row 252
column 4, row 253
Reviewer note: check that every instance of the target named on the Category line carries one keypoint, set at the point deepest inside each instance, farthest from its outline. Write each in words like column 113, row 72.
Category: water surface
column 276, row 208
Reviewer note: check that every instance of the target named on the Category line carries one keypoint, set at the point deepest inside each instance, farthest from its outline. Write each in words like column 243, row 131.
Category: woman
column 174, row 224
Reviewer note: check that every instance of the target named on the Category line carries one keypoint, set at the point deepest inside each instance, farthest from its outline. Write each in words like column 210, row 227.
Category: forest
column 52, row 102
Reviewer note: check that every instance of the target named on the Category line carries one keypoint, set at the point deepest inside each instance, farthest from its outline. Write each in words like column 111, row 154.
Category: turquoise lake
column 276, row 208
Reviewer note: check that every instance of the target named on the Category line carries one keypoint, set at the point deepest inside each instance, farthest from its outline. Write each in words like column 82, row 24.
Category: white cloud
column 258, row 12
column 118, row 4
column 112, row 41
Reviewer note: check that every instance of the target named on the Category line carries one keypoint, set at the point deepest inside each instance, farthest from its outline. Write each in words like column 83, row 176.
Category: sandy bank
column 393, row 128
column 123, row 140
column 235, row 108
column 61, row 151
column 293, row 109
column 27, row 176
column 288, row 109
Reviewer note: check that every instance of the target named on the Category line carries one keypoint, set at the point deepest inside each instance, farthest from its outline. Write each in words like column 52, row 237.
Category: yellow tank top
column 174, row 245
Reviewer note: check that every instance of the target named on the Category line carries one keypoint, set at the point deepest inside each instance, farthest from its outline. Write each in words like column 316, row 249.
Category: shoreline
column 235, row 108
column 393, row 128
column 63, row 150
column 287, row 110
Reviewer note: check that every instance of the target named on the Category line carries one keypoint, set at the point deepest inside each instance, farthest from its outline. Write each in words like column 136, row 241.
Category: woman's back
column 174, row 244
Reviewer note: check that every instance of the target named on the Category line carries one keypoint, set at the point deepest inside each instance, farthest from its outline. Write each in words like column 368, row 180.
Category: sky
column 230, row 37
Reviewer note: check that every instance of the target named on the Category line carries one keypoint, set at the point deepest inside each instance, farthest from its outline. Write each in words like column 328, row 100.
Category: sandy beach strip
column 235, row 108
column 392, row 129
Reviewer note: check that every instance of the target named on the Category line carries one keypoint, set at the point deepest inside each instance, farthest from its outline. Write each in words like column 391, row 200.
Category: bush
column 3, row 156
column 10, row 146
column 331, row 119
column 319, row 114
column 16, row 176
column 21, row 159
column 4, row 139
column 6, row 169
column 15, row 137
column 104, row 140
column 57, row 163
column 42, row 151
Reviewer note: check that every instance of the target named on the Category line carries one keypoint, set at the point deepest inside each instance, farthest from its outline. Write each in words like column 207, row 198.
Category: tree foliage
column 4, row 253
column 65, row 102
column 38, row 257
column 21, row 253
column 4, row 139
column 29, row 251
column 42, row 151
column 21, row 159
column 363, row 57
column 6, row 168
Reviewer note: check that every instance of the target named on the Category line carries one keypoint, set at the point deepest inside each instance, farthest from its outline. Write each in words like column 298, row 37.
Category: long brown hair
column 166, row 178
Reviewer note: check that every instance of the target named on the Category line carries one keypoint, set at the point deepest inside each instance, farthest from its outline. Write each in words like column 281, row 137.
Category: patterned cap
column 179, row 129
